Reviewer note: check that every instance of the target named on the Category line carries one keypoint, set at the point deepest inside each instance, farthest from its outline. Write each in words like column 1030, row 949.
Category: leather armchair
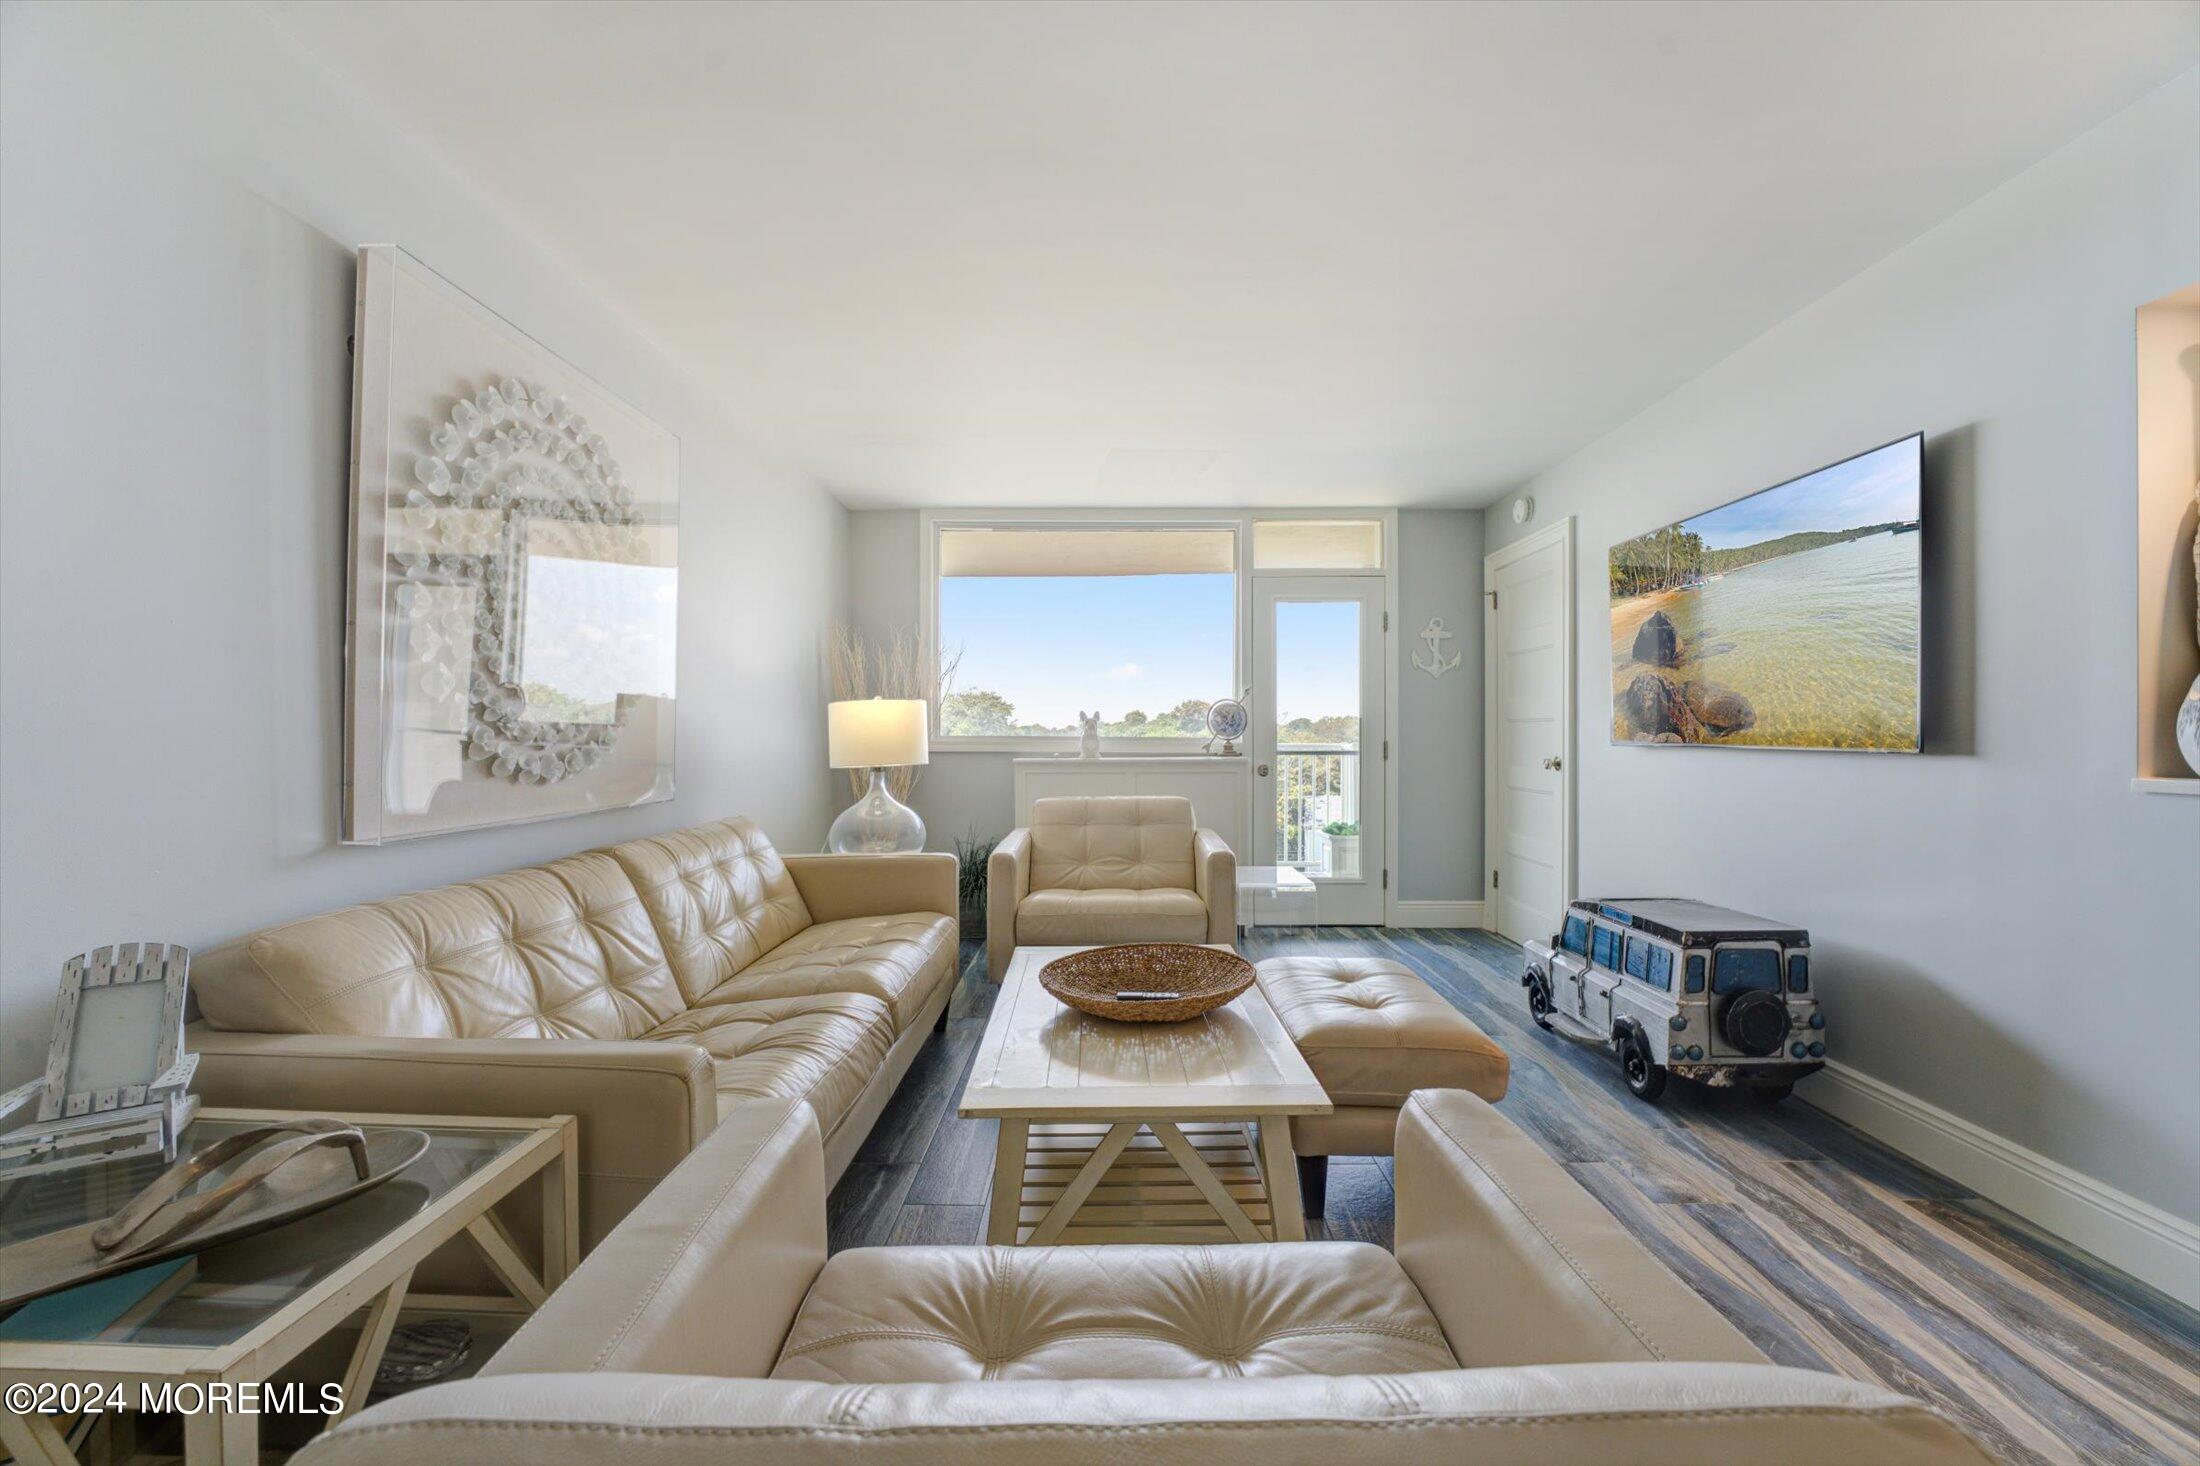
column 1124, row 868
column 711, row 1327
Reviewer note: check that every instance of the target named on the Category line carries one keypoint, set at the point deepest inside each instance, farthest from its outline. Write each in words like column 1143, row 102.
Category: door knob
column 1551, row 763
column 1261, row 769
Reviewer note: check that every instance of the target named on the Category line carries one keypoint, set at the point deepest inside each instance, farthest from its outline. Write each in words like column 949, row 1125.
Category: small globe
column 1228, row 719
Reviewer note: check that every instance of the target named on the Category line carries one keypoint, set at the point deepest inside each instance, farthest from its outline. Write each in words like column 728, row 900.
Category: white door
column 1318, row 739
column 1528, row 732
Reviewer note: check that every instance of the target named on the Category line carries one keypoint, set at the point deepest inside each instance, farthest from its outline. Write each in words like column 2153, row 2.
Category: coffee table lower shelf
column 1082, row 1182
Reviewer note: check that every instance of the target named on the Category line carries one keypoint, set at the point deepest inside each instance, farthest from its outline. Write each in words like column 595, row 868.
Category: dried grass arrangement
column 859, row 666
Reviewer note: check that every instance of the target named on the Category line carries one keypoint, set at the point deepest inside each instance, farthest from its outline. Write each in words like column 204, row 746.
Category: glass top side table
column 237, row 1312
column 1276, row 895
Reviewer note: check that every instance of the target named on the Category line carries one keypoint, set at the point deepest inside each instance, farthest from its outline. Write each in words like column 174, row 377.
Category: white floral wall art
column 512, row 619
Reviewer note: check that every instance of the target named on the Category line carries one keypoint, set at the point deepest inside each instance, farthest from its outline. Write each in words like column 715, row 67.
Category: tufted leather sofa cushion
column 822, row 1047
column 900, row 960
column 720, row 895
column 563, row 950
column 1134, row 842
column 1137, row 1356
column 1571, row 1415
column 1071, row 918
column 907, row 1315
column 1373, row 1032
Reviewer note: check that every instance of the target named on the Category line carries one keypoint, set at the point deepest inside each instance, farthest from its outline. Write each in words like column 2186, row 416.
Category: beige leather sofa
column 1123, row 868
column 1518, row 1322
column 645, row 988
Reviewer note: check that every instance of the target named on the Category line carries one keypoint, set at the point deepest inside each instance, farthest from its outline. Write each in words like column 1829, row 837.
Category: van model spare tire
column 1755, row 1023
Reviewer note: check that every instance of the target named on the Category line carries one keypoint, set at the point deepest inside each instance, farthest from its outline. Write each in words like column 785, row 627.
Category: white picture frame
column 117, row 1079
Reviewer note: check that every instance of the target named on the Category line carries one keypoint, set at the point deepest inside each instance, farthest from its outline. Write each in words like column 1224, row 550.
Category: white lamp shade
column 878, row 733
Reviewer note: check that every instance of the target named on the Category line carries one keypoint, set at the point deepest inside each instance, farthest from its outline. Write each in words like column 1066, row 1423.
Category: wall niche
column 2168, row 337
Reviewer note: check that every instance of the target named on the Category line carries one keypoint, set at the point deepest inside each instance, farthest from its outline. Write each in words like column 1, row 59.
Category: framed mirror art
column 512, row 610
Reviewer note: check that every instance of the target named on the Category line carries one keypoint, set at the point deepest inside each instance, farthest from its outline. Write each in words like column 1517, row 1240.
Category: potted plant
column 1344, row 847
column 974, row 854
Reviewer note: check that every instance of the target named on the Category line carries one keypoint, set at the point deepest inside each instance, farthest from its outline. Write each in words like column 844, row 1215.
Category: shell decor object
column 512, row 574
column 510, row 462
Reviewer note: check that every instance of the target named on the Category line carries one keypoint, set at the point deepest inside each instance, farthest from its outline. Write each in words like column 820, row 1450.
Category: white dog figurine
column 1088, row 743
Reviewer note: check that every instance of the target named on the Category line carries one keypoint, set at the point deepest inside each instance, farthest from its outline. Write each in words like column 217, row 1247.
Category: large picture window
column 1041, row 623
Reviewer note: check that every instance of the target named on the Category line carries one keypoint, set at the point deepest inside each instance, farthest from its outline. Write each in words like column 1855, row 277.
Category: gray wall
column 959, row 794
column 1440, row 768
column 2006, row 929
column 180, row 196
column 1439, row 741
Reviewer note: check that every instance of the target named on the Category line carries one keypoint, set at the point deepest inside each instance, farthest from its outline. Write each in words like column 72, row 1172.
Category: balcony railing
column 1316, row 784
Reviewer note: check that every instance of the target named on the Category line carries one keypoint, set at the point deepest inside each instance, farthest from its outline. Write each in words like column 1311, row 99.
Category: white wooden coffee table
column 1138, row 1132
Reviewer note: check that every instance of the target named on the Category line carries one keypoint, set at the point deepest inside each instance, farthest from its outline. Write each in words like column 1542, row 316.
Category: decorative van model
column 1678, row 987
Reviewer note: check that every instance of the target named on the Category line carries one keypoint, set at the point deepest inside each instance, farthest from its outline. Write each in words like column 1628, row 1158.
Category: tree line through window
column 981, row 713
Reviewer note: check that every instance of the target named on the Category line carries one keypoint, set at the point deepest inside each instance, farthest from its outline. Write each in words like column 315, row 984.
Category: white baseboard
column 2118, row 1228
column 1438, row 913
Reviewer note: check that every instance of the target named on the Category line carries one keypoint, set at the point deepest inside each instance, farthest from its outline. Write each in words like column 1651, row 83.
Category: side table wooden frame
column 378, row 1280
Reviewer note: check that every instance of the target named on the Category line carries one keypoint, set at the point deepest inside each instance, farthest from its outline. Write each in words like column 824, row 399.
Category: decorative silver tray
column 239, row 1185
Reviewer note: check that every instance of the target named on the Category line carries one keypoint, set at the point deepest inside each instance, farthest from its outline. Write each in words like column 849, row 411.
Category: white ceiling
column 1226, row 254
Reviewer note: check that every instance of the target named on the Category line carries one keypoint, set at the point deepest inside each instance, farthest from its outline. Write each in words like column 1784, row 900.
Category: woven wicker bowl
column 1204, row 978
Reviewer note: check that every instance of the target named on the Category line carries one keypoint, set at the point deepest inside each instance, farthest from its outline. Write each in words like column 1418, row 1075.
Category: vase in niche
column 2188, row 713
column 2188, row 726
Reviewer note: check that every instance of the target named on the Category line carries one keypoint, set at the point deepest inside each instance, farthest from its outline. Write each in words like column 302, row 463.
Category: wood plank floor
column 1826, row 1248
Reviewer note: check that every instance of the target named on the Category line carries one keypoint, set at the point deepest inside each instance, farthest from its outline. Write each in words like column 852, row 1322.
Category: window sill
column 1067, row 747
column 2189, row 786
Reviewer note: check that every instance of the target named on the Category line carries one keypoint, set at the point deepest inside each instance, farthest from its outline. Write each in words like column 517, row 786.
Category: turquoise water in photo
column 1824, row 644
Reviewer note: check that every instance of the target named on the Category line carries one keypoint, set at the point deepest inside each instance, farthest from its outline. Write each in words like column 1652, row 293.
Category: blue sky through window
column 1055, row 645
column 1317, row 659
column 1872, row 489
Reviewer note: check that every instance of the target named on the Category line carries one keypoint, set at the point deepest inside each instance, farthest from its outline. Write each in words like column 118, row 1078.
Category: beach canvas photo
column 1788, row 619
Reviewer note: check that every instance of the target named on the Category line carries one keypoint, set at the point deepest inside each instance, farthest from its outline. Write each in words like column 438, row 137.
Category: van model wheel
column 1645, row 1075
column 1769, row 1095
column 1539, row 1000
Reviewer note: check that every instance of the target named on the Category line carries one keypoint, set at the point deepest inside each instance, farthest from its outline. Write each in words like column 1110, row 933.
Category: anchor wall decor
column 1435, row 635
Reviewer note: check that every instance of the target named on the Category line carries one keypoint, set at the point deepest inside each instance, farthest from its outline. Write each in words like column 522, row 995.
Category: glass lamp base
column 876, row 824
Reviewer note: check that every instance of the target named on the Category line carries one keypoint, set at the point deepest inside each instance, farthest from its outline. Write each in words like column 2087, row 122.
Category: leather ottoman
column 1373, row 1033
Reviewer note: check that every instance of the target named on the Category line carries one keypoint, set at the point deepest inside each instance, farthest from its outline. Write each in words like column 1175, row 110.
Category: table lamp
column 877, row 733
